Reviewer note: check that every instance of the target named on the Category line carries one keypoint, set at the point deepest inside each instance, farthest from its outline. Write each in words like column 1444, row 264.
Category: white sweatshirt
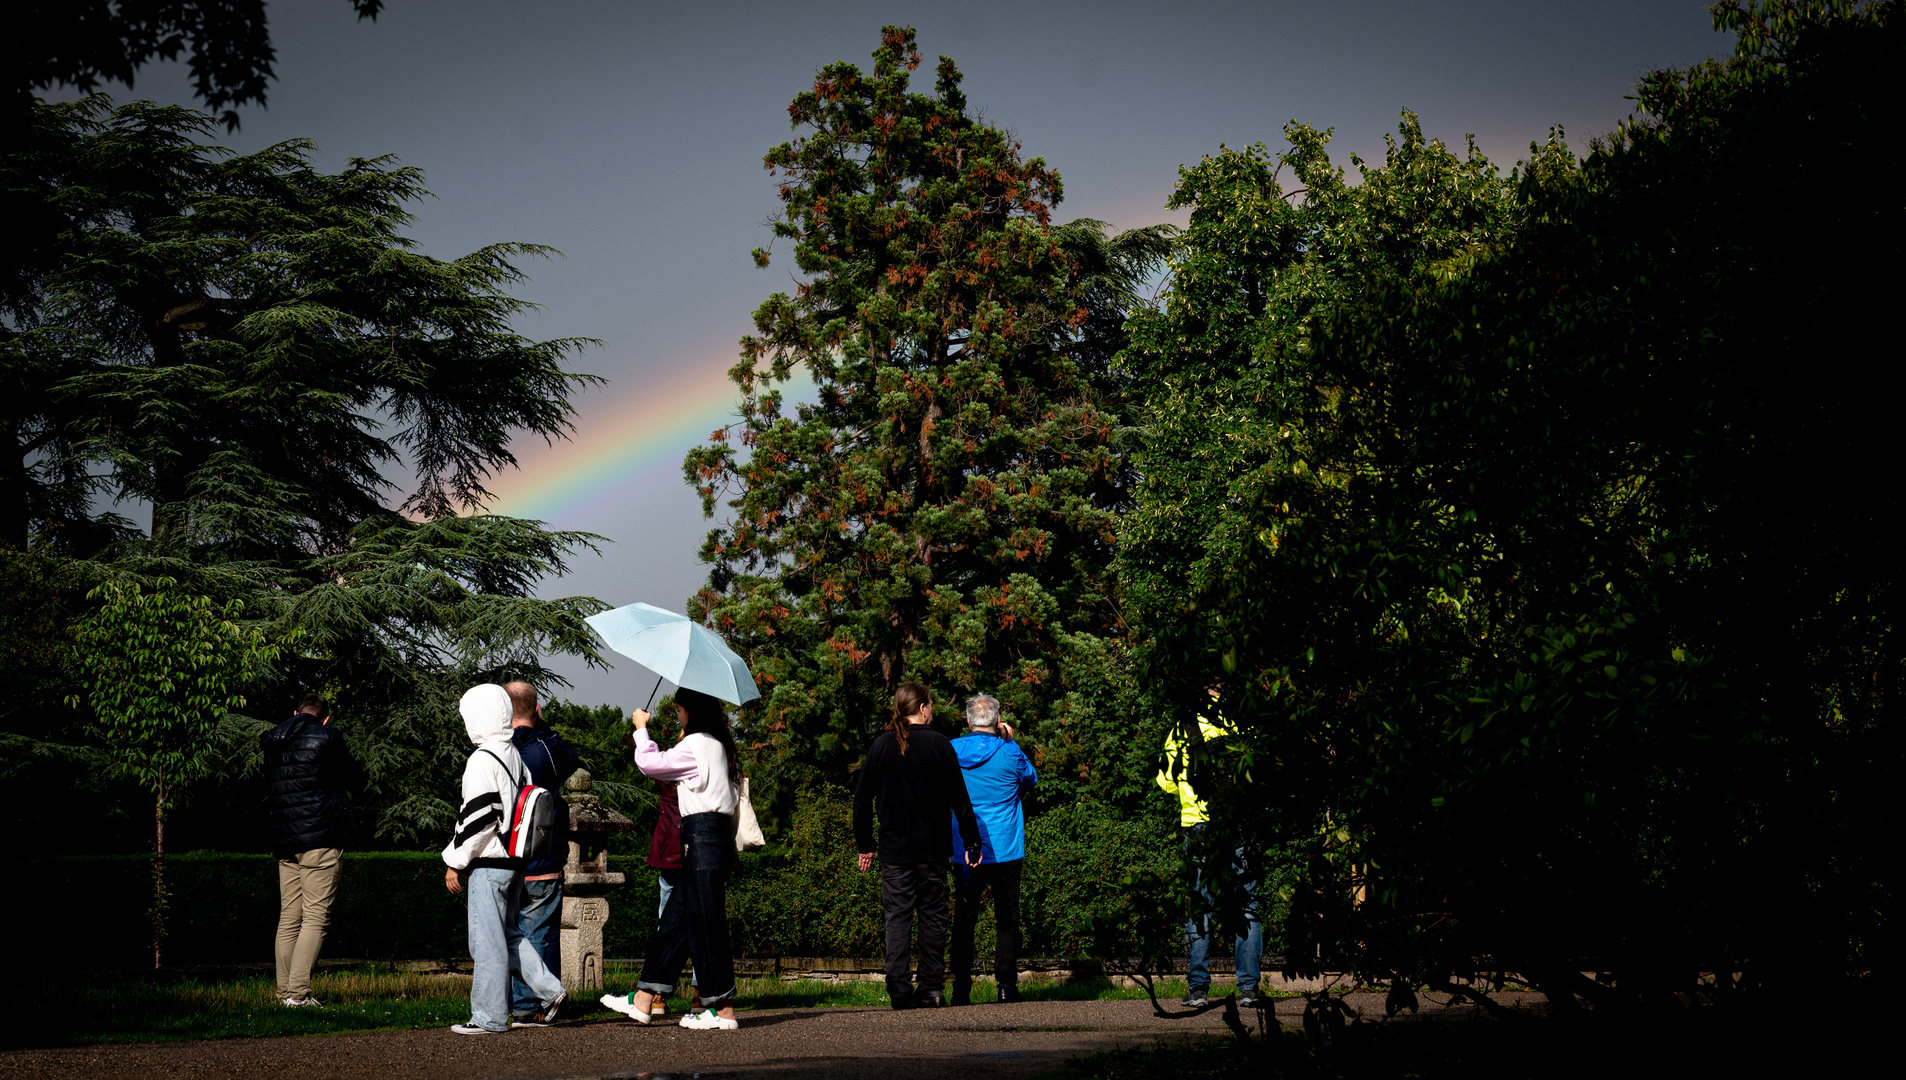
column 701, row 766
column 489, row 786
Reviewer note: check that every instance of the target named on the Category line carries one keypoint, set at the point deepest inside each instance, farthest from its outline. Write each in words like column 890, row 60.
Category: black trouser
column 695, row 922
column 968, row 884
column 906, row 890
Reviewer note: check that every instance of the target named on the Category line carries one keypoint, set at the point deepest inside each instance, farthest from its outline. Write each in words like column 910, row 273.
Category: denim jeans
column 500, row 951
column 541, row 921
column 665, row 882
column 1198, row 929
column 968, row 882
column 907, row 889
column 694, row 923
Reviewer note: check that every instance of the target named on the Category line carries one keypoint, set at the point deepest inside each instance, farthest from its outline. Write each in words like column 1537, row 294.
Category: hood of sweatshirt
column 486, row 713
column 977, row 749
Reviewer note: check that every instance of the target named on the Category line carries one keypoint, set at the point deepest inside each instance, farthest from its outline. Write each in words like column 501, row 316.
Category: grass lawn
column 153, row 1008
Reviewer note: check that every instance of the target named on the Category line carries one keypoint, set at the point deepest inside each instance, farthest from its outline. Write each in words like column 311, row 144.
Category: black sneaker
column 1248, row 999
column 1009, row 995
column 928, row 999
column 1195, row 1000
column 544, row 1018
column 901, row 1001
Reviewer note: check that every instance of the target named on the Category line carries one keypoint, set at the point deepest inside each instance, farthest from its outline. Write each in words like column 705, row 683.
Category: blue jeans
column 1198, row 930
column 500, row 951
column 541, row 920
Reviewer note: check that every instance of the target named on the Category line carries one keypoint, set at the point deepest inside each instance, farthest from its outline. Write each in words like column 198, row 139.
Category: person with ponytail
column 911, row 781
column 695, row 922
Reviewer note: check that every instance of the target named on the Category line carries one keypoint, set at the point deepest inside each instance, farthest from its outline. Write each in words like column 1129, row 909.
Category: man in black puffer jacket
column 309, row 768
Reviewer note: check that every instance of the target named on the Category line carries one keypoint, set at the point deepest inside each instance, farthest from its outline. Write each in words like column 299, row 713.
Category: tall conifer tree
column 309, row 407
column 944, row 512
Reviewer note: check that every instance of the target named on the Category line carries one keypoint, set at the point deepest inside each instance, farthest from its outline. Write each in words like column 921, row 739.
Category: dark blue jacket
column 549, row 760
column 996, row 771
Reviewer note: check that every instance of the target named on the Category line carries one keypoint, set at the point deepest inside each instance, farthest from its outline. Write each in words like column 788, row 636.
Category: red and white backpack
column 535, row 822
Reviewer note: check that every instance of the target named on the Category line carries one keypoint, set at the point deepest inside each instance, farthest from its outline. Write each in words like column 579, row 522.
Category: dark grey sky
column 630, row 136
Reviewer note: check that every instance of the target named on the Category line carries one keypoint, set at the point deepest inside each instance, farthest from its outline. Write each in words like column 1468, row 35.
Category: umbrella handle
column 658, row 686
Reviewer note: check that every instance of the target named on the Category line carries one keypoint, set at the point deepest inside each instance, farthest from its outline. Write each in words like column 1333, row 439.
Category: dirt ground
column 841, row 1044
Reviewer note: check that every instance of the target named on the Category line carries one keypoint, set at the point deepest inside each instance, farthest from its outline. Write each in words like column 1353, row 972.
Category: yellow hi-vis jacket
column 1175, row 776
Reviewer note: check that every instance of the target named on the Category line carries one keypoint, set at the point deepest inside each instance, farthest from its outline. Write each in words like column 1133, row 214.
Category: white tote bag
column 747, row 830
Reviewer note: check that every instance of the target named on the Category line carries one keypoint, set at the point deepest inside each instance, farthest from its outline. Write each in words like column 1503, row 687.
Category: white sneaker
column 708, row 1020
column 301, row 1002
column 470, row 1029
column 624, row 1004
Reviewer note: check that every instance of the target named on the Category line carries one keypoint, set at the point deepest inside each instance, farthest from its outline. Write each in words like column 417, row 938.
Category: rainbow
column 626, row 447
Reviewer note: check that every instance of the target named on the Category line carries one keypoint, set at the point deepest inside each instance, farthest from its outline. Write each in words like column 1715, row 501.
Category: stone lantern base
column 583, row 919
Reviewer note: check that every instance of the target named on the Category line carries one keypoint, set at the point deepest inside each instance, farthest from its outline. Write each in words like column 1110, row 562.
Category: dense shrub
column 1100, row 885
column 807, row 898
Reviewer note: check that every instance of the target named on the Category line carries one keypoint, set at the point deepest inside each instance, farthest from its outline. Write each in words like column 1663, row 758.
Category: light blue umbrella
column 678, row 649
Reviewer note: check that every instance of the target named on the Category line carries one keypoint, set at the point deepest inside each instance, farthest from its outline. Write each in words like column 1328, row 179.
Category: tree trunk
column 158, row 871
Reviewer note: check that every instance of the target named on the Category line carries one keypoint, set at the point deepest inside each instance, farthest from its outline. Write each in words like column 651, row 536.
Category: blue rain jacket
column 996, row 772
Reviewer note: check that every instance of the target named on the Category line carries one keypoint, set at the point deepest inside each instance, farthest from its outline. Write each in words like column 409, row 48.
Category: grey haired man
column 997, row 775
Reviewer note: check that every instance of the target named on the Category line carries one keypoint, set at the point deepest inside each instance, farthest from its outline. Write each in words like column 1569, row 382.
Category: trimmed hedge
column 224, row 908
column 1093, row 886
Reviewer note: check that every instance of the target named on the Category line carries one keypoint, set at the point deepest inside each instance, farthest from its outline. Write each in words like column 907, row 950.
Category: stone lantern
column 587, row 882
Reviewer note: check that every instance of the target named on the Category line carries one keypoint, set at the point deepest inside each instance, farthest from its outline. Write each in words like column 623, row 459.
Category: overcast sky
column 629, row 135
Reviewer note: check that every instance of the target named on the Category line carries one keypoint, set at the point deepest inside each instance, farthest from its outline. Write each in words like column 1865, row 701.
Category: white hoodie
column 489, row 788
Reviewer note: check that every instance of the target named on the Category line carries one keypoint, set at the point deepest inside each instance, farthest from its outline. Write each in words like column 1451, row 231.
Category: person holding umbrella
column 695, row 922
column 708, row 787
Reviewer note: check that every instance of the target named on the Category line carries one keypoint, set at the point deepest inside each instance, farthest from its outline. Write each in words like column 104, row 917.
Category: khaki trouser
column 306, row 886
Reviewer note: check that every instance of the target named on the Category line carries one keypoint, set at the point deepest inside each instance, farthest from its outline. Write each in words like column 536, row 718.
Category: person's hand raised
column 1006, row 730
column 640, row 718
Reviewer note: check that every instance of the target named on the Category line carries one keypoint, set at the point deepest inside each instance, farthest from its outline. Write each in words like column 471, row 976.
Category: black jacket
column 550, row 761
column 308, row 768
column 912, row 793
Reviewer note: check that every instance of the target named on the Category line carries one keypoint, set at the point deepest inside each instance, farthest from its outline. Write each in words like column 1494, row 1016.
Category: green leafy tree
column 164, row 668
column 945, row 511
column 1219, row 366
column 1558, row 612
column 82, row 43
column 1223, row 370
column 249, row 347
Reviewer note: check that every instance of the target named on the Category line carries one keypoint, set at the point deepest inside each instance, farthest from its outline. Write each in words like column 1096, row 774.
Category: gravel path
column 840, row 1044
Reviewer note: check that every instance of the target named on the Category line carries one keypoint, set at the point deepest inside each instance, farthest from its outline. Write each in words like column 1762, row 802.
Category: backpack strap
column 520, row 782
column 507, row 818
